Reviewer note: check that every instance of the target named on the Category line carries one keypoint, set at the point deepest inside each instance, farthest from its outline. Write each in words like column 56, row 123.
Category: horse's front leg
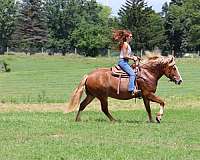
column 152, row 97
column 148, row 109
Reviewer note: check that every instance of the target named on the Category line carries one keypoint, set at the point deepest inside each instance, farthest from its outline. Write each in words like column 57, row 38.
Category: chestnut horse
column 101, row 84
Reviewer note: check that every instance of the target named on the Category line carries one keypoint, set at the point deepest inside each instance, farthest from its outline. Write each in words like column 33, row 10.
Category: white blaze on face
column 178, row 72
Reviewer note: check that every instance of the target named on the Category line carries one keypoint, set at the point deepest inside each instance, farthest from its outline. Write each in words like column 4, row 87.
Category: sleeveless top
column 129, row 52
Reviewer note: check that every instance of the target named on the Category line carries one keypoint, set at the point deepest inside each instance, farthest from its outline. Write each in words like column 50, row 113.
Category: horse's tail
column 76, row 95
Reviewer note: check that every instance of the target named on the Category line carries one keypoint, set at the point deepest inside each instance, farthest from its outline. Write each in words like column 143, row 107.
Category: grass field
column 55, row 136
column 45, row 79
column 32, row 125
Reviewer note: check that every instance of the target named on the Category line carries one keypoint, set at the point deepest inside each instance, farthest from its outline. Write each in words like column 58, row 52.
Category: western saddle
column 118, row 72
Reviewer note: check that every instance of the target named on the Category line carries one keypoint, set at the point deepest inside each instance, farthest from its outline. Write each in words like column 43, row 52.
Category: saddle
column 116, row 71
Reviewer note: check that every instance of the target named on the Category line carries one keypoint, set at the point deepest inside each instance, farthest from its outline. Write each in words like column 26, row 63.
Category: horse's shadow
column 120, row 121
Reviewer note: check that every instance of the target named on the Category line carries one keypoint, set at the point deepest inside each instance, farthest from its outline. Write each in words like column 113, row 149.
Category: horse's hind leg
column 83, row 104
column 104, row 108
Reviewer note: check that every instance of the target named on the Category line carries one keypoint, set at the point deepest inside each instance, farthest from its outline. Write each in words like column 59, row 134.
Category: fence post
column 172, row 52
column 75, row 51
column 108, row 52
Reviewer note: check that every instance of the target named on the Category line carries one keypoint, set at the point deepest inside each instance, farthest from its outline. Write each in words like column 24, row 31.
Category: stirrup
column 138, row 93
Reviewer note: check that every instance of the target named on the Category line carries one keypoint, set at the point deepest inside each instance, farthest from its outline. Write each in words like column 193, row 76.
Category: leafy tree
column 7, row 23
column 193, row 11
column 156, row 32
column 93, row 33
column 63, row 17
column 91, row 38
column 31, row 30
column 177, row 26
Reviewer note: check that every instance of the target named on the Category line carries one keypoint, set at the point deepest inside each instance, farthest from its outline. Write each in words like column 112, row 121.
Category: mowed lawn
column 52, row 135
column 55, row 136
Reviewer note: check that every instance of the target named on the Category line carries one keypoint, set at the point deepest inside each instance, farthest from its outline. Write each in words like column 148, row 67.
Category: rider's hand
column 134, row 58
column 139, row 58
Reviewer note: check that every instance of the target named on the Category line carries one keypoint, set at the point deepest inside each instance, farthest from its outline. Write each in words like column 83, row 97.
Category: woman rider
column 124, row 37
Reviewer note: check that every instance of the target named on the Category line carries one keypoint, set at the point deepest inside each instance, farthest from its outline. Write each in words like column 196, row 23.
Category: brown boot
column 137, row 93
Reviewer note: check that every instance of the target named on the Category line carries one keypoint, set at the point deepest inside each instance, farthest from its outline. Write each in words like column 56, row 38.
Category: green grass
column 35, row 79
column 55, row 136
column 51, row 79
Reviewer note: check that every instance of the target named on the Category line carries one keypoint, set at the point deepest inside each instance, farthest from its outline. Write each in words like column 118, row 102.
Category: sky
column 116, row 4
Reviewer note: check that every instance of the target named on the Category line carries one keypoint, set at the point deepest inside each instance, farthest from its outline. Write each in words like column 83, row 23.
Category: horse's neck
column 154, row 71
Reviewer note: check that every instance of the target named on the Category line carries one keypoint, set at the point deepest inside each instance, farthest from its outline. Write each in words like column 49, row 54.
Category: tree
column 176, row 2
column 93, row 33
column 156, row 32
column 31, row 29
column 135, row 16
column 177, row 27
column 7, row 23
column 193, row 11
column 165, row 8
column 91, row 38
column 63, row 17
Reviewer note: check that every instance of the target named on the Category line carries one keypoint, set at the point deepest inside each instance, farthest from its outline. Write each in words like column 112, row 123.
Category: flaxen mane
column 150, row 57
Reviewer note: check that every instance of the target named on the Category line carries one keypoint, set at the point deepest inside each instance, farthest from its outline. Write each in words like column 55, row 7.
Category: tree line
column 63, row 25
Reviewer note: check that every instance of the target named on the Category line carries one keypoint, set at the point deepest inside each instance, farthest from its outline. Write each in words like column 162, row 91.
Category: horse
column 101, row 84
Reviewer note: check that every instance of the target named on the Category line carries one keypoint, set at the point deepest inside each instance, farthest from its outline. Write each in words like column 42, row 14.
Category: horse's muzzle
column 179, row 81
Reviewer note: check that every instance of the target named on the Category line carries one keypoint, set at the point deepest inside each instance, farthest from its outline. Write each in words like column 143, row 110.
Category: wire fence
column 101, row 52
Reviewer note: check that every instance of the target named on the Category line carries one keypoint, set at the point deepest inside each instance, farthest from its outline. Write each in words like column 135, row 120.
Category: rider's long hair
column 120, row 36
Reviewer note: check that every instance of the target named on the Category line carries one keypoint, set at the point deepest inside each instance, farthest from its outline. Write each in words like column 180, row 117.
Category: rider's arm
column 125, row 52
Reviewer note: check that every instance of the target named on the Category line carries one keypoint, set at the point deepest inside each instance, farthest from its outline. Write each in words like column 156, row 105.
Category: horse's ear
column 171, row 60
column 168, row 60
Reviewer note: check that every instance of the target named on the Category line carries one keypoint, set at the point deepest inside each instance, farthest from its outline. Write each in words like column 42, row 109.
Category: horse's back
column 98, row 77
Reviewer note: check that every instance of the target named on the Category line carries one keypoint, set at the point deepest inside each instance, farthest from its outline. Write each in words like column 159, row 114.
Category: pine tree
column 176, row 2
column 135, row 16
column 31, row 30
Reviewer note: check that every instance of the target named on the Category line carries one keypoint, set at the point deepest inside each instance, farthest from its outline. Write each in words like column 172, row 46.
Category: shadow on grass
column 119, row 121
column 101, row 120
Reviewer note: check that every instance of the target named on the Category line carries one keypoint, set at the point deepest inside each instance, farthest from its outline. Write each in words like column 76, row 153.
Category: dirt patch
column 32, row 107
column 61, row 107
column 95, row 106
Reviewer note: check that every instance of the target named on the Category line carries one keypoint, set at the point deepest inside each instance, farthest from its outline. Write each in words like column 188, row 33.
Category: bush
column 4, row 67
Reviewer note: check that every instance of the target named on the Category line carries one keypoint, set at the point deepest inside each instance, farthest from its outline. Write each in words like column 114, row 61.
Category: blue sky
column 116, row 4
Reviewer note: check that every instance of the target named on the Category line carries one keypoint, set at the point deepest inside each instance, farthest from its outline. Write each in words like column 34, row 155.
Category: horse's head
column 171, row 70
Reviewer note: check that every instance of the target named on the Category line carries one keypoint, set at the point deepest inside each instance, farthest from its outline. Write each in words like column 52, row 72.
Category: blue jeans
column 123, row 63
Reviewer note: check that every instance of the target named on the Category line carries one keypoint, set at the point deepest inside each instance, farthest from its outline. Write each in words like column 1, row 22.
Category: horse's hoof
column 77, row 120
column 113, row 121
column 158, row 119
column 150, row 121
